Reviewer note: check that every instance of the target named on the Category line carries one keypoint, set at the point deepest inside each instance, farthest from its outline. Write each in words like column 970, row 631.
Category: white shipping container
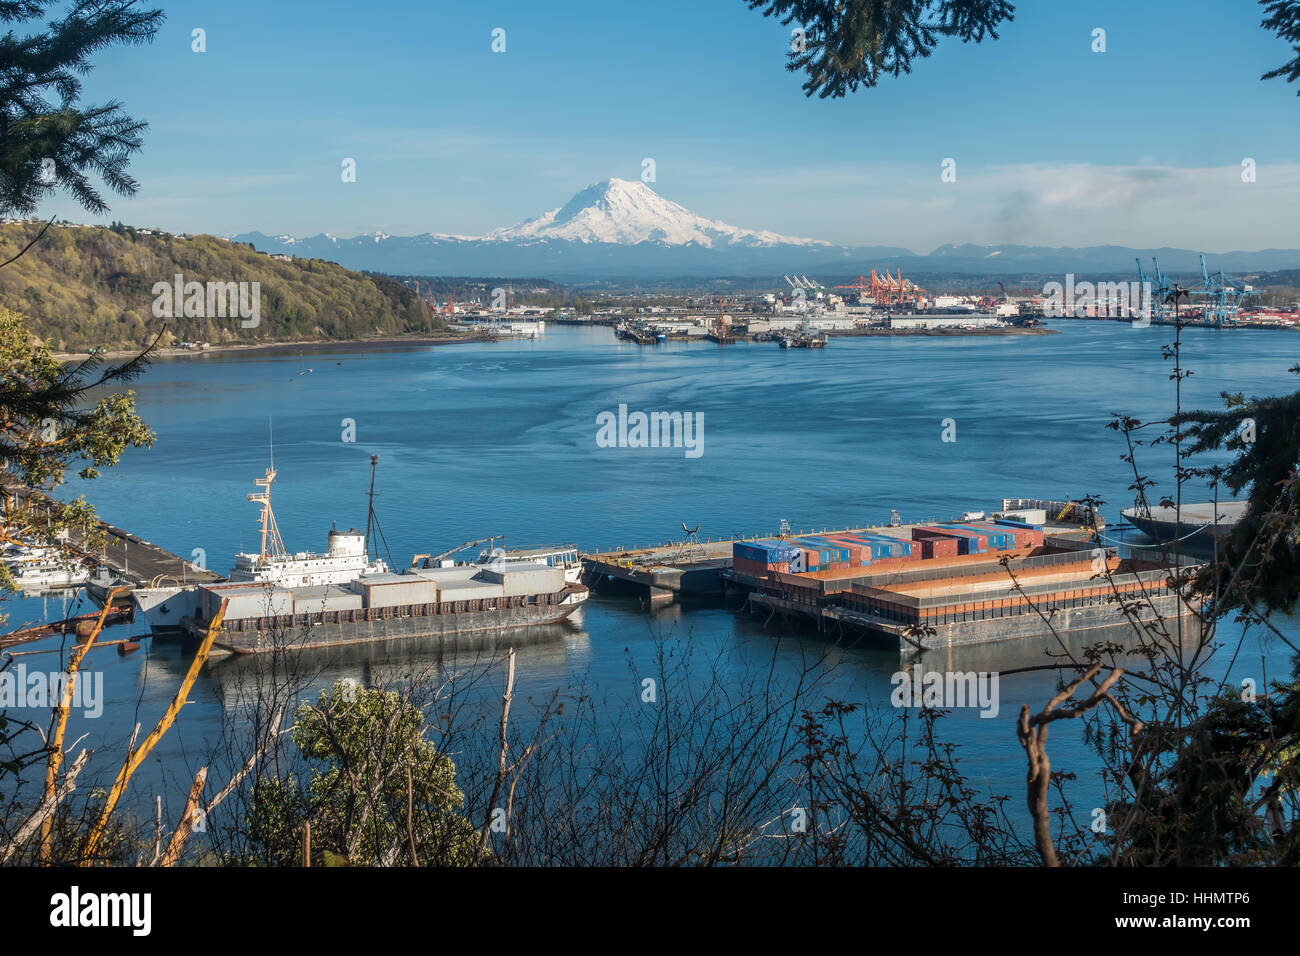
column 1027, row 515
column 469, row 591
column 393, row 590
column 247, row 601
column 447, row 575
column 325, row 598
column 527, row 579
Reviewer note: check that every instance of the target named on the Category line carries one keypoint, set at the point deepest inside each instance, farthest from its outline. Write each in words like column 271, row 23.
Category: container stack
column 757, row 558
column 1027, row 535
column 969, row 541
column 935, row 543
column 852, row 550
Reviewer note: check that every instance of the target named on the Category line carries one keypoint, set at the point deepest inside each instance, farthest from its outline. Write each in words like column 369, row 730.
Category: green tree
column 48, row 141
column 48, row 425
column 850, row 43
column 845, row 44
column 377, row 791
column 1259, row 571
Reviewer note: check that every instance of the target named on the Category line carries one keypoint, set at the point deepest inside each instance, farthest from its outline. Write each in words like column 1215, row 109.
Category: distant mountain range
column 624, row 228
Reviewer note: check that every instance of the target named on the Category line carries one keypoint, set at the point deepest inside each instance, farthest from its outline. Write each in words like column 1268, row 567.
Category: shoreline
column 422, row 341
column 949, row 331
column 413, row 341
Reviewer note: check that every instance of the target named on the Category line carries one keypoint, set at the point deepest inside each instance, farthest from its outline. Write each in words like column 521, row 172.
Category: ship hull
column 51, row 578
column 1168, row 531
column 1102, row 617
column 336, row 630
column 1197, row 524
column 165, row 608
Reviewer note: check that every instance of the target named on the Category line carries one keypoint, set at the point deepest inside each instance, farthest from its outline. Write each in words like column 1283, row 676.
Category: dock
column 129, row 558
column 662, row 573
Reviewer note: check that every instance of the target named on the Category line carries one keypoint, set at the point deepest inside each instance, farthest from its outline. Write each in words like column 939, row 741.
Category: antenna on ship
column 372, row 519
column 272, row 543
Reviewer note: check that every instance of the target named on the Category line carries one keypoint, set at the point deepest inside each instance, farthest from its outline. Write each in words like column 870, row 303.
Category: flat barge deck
column 975, row 599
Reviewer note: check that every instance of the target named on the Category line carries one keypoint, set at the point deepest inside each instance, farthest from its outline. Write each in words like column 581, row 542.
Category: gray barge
column 434, row 603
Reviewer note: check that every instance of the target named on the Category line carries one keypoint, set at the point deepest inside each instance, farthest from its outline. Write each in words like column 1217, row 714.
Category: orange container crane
column 890, row 290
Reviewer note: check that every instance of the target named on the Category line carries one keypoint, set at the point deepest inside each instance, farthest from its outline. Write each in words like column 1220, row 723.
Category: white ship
column 39, row 568
column 345, row 559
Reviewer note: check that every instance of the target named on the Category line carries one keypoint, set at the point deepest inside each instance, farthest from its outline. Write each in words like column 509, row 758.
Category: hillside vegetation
column 82, row 287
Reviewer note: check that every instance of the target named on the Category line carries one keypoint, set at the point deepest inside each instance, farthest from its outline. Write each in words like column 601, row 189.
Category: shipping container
column 968, row 541
column 518, row 579
column 326, row 597
column 1000, row 537
column 975, row 542
column 938, row 547
column 395, row 590
column 1036, row 516
column 766, row 552
column 472, row 591
column 447, row 575
column 849, row 542
column 246, row 600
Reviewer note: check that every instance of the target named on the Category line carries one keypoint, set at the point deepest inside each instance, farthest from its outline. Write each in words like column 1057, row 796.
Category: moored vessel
column 1197, row 524
column 420, row 603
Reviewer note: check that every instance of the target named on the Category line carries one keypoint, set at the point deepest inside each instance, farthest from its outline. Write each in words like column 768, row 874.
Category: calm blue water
column 499, row 438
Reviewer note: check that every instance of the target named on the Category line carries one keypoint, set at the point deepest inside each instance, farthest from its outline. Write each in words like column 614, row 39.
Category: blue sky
column 1054, row 144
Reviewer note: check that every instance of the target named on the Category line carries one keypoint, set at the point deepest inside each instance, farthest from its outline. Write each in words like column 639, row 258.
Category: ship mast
column 370, row 510
column 272, row 543
column 372, row 519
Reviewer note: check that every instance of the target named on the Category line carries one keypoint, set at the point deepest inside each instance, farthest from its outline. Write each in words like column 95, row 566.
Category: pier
column 129, row 558
column 662, row 573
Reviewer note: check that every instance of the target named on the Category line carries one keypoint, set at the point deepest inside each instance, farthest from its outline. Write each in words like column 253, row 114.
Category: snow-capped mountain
column 614, row 227
column 624, row 228
column 628, row 212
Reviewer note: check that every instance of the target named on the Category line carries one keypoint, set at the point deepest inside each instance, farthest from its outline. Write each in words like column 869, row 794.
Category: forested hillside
column 88, row 286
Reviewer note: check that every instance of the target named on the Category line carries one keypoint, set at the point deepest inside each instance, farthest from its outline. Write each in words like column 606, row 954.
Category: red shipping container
column 938, row 546
column 749, row 567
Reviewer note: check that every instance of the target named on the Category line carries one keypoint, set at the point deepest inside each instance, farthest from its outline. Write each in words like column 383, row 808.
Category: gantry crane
column 1222, row 296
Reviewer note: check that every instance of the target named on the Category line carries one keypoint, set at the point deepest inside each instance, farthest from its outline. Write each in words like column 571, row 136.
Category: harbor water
column 501, row 439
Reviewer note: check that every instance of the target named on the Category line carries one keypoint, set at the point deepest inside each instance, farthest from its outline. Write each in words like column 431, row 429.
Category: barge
column 277, row 600
column 1198, row 524
column 950, row 584
column 976, row 601
column 430, row 603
